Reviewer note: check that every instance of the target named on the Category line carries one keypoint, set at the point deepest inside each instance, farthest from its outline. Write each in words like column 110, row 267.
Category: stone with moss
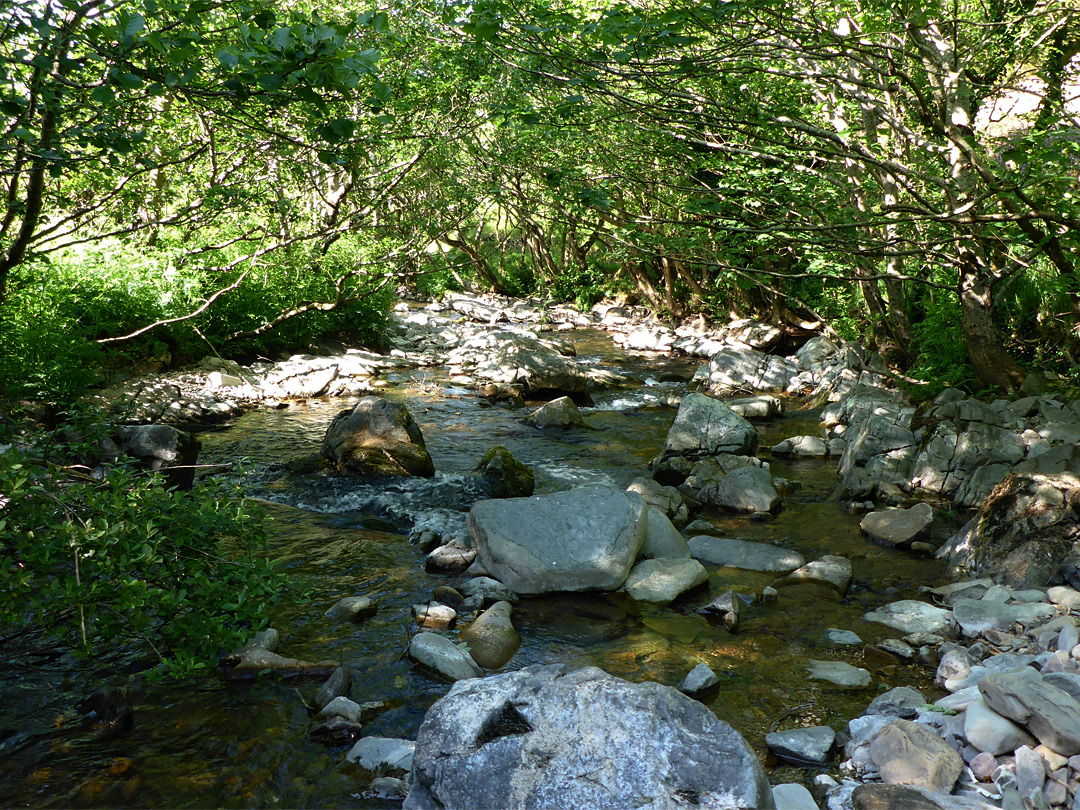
column 379, row 437
column 500, row 475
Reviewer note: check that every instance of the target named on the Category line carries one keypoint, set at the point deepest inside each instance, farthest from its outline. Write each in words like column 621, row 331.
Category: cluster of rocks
column 1008, row 732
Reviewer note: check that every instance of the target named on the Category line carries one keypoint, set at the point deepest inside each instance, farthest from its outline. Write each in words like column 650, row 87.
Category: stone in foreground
column 706, row 427
column 580, row 540
column 906, row 753
column 664, row 581
column 547, row 737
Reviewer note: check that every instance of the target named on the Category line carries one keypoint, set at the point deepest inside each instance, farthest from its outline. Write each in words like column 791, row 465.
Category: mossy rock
column 379, row 437
column 501, row 475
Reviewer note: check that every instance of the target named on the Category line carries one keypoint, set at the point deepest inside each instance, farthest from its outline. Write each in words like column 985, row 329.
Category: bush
column 939, row 346
column 92, row 564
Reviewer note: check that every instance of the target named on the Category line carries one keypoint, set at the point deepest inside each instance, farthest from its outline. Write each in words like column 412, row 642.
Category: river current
column 245, row 744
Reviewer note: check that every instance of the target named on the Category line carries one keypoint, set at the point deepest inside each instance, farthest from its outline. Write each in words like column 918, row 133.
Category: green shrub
column 92, row 564
column 939, row 346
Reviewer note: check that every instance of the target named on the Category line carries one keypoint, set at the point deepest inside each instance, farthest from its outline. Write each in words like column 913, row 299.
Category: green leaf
column 228, row 58
column 134, row 25
column 103, row 95
column 281, row 38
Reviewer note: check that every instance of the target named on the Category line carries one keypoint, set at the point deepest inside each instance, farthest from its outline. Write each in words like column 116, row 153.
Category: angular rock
column 906, row 753
column 441, row 655
column 725, row 609
column 490, row 590
column 706, row 427
column 737, row 368
column 1023, row 532
column 500, row 475
column 492, row 638
column 665, row 580
column 662, row 539
column 903, row 701
column 759, row 407
column 727, row 551
column 545, row 737
column 803, row 746
column 701, row 680
column 898, row 527
column 378, row 437
column 666, row 499
column 337, row 685
column 793, row 796
column 583, row 539
column 748, row 489
column 1026, row 698
column 163, row 449
column 976, row 616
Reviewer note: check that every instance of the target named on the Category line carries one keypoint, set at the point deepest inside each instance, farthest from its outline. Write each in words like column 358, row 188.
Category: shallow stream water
column 245, row 744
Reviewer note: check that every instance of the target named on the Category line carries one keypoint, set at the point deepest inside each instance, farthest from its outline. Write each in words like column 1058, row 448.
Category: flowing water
column 245, row 744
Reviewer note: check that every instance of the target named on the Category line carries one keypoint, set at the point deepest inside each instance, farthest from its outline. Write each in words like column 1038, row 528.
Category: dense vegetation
column 249, row 176
column 256, row 174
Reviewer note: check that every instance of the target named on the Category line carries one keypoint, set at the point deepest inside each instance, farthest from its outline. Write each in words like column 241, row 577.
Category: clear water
column 245, row 744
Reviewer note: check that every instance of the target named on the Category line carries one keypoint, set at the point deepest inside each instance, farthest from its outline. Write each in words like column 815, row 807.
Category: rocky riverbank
column 1014, row 459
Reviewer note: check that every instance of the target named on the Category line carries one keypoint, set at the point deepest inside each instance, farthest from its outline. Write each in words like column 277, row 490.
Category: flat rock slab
column 906, row 753
column 838, row 673
column 830, row 570
column 1025, row 697
column 898, row 527
column 664, row 581
column 548, row 737
column 441, row 655
column 352, row 609
column 912, row 616
column 584, row 539
column 988, row 731
column 803, row 746
column 727, row 551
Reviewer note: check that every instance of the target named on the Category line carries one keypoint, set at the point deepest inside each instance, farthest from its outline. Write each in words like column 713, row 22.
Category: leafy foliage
column 126, row 561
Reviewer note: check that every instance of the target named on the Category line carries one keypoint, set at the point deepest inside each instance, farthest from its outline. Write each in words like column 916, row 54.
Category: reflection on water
column 245, row 744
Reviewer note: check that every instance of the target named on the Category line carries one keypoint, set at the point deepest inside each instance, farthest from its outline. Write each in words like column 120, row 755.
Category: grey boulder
column 727, row 551
column 546, row 737
column 663, row 581
column 803, row 746
column 442, row 656
column 898, row 527
column 377, row 437
column 580, row 540
column 707, row 427
column 1024, row 697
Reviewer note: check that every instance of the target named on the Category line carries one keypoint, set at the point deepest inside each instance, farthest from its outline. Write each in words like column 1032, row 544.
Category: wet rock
column 519, row 740
column 258, row 660
column 898, row 527
column 434, row 616
column 724, row 609
column 835, row 635
column 1026, row 698
column 912, row 616
column 559, row 413
column 700, row 681
column 989, row 732
column 1023, row 531
column 446, row 595
column 268, row 639
column 838, row 673
column 793, row 796
column 336, row 723
column 352, row 609
column 803, row 746
column 748, row 489
column 582, row 539
column 878, row 796
column 831, row 571
column 500, row 475
column 662, row 539
column 667, row 500
column 976, row 616
column 490, row 590
column 662, row 581
column 906, row 753
column 382, row 754
column 378, row 437
column 387, row 788
column 492, row 638
column 450, row 558
column 441, row 655
column 706, row 427
column 337, row 685
column 539, row 367
column 726, row 551
column 903, row 701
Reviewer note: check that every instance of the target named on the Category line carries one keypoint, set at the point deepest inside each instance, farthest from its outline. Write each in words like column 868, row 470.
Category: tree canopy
column 249, row 173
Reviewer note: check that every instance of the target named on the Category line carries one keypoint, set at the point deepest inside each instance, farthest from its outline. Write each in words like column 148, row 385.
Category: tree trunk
column 990, row 360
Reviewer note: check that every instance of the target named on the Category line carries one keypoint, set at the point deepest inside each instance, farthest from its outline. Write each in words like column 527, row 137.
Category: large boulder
column 1024, row 532
column 580, row 540
column 377, row 437
column 546, row 737
column 738, row 368
column 707, row 427
column 540, row 367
